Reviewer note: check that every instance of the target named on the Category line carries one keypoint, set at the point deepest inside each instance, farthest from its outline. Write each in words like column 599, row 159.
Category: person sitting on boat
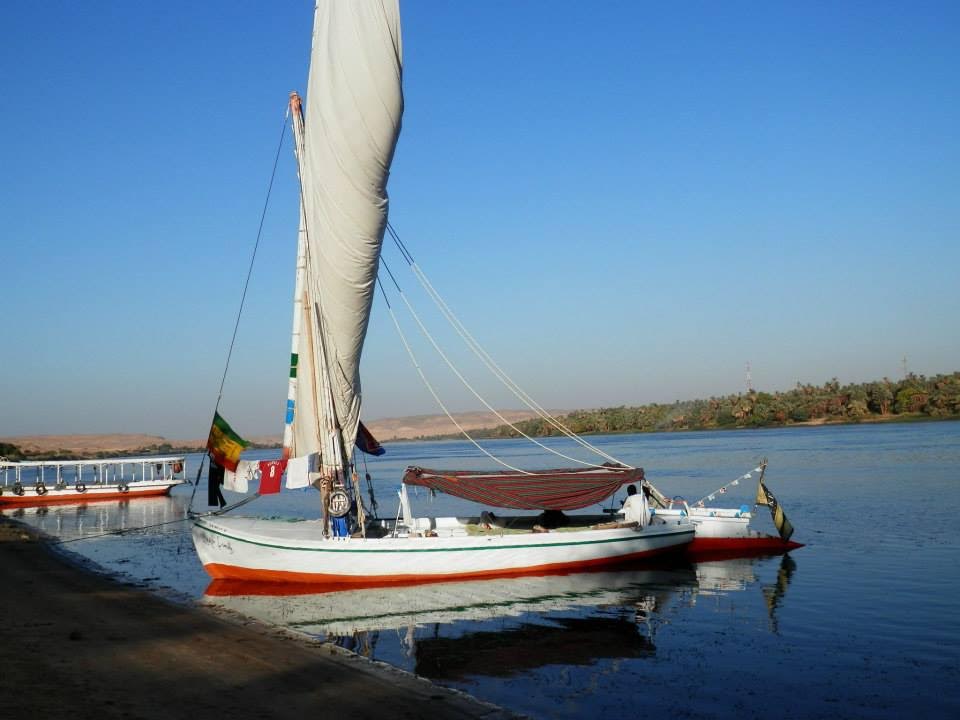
column 551, row 519
column 635, row 508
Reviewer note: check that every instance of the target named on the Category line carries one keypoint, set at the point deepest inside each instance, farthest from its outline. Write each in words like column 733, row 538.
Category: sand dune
column 84, row 444
column 404, row 428
column 416, row 426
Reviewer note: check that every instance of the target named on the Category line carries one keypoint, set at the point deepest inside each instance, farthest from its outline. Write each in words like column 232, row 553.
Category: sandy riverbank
column 79, row 645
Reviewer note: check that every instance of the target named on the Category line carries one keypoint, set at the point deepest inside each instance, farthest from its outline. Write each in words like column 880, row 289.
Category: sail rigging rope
column 246, row 284
column 253, row 257
column 488, row 360
column 466, row 383
column 436, row 397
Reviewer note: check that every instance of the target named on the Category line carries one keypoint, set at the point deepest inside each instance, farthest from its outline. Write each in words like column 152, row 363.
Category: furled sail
column 353, row 110
column 565, row 489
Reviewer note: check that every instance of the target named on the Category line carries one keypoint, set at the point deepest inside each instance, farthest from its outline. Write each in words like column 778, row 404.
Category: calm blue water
column 863, row 622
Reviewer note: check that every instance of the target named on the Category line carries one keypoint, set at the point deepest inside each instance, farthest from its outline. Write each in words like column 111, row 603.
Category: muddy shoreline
column 85, row 645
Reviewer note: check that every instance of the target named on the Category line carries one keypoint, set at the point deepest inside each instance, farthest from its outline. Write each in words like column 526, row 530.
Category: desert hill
column 418, row 426
column 87, row 444
column 405, row 428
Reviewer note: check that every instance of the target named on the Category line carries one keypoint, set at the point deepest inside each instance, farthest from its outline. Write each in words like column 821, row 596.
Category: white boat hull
column 278, row 551
column 712, row 522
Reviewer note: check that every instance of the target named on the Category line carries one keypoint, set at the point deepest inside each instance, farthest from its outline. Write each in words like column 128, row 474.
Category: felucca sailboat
column 344, row 146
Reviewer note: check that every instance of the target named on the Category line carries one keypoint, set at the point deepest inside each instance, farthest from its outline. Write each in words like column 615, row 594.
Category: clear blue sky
column 624, row 201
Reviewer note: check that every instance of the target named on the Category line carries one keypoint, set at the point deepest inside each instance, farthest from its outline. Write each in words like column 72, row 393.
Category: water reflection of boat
column 498, row 627
column 494, row 627
column 336, row 610
column 496, row 653
column 627, row 629
column 720, row 576
column 68, row 522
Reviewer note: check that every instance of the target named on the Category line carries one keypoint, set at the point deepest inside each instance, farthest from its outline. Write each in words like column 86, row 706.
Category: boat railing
column 100, row 471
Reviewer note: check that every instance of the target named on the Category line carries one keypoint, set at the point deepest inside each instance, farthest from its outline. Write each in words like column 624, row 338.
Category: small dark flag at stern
column 367, row 442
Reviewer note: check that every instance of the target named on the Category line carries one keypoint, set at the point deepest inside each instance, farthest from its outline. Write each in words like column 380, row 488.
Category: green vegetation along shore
column 14, row 453
column 915, row 397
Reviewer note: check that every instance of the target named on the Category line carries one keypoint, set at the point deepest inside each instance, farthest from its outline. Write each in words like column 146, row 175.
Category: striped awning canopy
column 540, row 490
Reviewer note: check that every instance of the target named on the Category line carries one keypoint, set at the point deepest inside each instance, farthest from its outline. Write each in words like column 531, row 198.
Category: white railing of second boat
column 99, row 471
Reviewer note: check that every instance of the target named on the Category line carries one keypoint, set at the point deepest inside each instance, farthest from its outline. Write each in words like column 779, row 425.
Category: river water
column 862, row 622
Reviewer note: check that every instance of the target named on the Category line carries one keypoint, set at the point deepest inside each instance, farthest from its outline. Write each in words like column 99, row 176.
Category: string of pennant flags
column 723, row 490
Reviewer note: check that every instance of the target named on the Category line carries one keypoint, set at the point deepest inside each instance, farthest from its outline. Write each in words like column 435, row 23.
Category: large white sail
column 353, row 110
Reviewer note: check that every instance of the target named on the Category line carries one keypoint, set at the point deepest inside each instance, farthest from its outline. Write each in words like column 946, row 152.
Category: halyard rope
column 487, row 360
column 466, row 383
column 246, row 284
column 436, row 397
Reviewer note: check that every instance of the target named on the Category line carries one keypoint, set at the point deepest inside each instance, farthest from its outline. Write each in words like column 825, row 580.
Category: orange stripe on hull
column 76, row 498
column 220, row 571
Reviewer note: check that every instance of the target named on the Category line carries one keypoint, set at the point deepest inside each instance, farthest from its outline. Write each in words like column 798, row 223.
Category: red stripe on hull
column 718, row 548
column 219, row 571
column 76, row 498
column 231, row 588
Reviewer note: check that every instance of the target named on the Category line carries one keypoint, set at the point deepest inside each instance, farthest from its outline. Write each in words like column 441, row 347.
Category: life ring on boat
column 40, row 489
column 339, row 503
column 678, row 500
column 17, row 488
column 80, row 487
column 123, row 487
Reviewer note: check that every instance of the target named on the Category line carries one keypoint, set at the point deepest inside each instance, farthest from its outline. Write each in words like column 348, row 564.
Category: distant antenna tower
column 905, row 372
column 749, row 378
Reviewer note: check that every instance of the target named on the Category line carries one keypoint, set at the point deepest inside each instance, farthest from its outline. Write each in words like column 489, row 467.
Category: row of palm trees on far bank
column 915, row 397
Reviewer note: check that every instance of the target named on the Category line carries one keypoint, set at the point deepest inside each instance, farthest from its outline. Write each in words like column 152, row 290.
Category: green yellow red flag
column 224, row 444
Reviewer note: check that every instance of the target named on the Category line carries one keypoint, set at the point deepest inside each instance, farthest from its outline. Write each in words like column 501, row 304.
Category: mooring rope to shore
column 123, row 531
column 190, row 516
